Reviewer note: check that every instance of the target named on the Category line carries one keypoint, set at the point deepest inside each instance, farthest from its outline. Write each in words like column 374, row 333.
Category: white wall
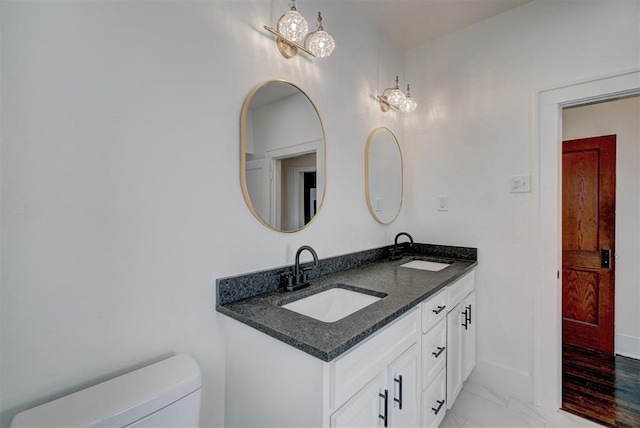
column 620, row 117
column 121, row 200
column 475, row 129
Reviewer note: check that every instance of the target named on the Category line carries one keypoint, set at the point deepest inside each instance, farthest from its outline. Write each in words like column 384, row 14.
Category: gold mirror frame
column 367, row 172
column 243, row 155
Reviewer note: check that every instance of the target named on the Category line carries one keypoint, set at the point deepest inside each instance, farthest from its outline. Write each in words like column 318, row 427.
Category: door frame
column 273, row 158
column 546, row 224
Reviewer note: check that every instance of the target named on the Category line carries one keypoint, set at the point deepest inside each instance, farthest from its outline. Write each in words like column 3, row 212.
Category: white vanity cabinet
column 269, row 383
column 405, row 375
column 461, row 335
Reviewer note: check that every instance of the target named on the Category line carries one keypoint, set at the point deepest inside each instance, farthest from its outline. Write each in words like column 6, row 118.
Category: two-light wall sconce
column 291, row 32
column 396, row 99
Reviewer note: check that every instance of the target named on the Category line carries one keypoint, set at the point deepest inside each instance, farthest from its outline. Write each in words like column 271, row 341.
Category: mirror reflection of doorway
column 295, row 183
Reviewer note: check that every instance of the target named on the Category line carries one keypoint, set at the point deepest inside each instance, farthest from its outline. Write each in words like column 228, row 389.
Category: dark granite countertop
column 404, row 287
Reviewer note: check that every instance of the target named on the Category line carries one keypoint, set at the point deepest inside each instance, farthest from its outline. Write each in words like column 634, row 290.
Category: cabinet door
column 403, row 384
column 365, row 407
column 468, row 334
column 454, row 354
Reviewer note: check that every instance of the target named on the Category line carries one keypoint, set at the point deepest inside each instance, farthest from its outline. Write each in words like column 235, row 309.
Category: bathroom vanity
column 399, row 361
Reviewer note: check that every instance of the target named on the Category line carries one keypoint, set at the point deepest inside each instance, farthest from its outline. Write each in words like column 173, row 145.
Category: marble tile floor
column 479, row 406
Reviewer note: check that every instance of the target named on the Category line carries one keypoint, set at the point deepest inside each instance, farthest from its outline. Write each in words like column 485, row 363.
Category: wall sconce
column 291, row 35
column 396, row 99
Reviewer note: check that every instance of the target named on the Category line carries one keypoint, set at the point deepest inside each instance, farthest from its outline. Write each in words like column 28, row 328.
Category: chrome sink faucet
column 297, row 279
column 397, row 252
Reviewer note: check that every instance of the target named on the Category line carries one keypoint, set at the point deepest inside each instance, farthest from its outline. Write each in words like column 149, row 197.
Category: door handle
column 385, row 417
column 605, row 257
column 436, row 410
column 439, row 309
column 440, row 351
column 398, row 400
column 465, row 323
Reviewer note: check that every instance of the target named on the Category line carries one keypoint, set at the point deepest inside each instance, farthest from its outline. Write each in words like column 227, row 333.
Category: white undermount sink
column 425, row 265
column 331, row 305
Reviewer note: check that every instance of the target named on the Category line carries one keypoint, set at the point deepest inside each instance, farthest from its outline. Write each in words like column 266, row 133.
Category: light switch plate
column 520, row 183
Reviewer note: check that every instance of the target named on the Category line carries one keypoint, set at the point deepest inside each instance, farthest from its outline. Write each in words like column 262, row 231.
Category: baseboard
column 504, row 380
column 628, row 346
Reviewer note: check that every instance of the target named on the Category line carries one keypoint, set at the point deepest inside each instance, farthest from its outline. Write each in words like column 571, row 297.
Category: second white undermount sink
column 331, row 305
column 425, row 265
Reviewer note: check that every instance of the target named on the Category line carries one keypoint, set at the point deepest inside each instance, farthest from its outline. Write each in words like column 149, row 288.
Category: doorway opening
column 296, row 190
column 547, row 286
column 600, row 248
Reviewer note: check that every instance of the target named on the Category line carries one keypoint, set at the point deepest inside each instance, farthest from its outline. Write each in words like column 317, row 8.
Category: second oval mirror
column 282, row 162
column 383, row 175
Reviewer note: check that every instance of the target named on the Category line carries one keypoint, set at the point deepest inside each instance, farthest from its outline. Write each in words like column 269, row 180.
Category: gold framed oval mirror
column 282, row 156
column 383, row 175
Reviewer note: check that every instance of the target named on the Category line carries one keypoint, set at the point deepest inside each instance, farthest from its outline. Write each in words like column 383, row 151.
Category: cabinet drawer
column 433, row 402
column 459, row 289
column 434, row 309
column 434, row 352
column 352, row 371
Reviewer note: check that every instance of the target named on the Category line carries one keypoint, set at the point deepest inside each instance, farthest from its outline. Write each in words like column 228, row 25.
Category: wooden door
column 588, row 226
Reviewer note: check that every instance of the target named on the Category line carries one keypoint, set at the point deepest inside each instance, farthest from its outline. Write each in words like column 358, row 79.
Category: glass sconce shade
column 320, row 43
column 293, row 26
column 408, row 105
column 396, row 97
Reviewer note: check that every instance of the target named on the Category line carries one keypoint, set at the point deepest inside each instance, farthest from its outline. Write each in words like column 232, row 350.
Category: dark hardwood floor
column 602, row 388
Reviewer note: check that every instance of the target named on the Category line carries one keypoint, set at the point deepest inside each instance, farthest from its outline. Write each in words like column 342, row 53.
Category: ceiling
column 411, row 23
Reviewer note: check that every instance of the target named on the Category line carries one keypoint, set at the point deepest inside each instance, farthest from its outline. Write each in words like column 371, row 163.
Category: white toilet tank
column 164, row 394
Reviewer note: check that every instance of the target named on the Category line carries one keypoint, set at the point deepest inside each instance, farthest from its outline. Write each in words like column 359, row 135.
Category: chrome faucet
column 297, row 279
column 398, row 252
